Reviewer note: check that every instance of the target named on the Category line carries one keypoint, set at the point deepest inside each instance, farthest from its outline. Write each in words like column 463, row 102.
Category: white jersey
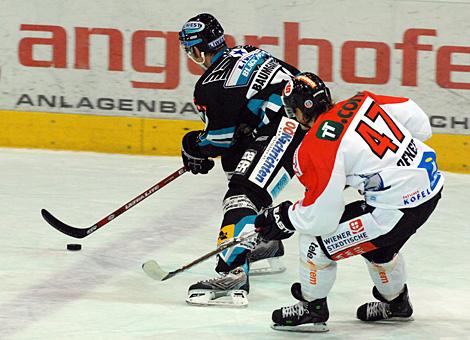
column 370, row 142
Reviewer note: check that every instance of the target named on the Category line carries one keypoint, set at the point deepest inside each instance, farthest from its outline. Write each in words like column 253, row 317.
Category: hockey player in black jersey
column 239, row 99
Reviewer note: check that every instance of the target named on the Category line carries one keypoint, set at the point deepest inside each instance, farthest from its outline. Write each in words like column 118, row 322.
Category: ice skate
column 399, row 309
column 304, row 316
column 229, row 289
column 265, row 258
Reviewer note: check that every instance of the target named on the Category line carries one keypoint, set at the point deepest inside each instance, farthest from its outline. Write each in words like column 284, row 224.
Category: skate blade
column 236, row 298
column 305, row 328
column 274, row 266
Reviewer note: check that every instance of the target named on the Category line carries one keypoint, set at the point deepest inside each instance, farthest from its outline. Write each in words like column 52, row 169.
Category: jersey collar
column 218, row 55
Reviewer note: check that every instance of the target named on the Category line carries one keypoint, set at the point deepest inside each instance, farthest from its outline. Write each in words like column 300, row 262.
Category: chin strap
column 200, row 63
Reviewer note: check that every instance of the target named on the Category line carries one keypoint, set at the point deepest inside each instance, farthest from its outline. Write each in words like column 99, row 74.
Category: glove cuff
column 190, row 147
column 282, row 216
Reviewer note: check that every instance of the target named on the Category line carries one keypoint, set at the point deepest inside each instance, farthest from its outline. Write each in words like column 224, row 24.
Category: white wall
column 341, row 25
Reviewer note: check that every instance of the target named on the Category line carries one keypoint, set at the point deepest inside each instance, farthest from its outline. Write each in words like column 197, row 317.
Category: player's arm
column 220, row 114
column 318, row 213
column 408, row 113
column 216, row 138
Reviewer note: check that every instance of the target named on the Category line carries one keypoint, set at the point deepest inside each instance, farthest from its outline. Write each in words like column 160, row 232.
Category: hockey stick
column 83, row 232
column 153, row 269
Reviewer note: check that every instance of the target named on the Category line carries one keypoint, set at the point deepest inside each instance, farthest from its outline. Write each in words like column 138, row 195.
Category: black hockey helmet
column 204, row 32
column 307, row 92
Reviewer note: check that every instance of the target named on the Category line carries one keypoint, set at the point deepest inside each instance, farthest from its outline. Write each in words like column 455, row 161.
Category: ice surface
column 100, row 292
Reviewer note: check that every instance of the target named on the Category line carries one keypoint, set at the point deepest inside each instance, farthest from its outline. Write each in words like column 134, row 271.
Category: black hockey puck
column 74, row 246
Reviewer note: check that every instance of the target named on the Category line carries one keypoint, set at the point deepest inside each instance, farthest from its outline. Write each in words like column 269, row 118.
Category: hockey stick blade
column 154, row 271
column 64, row 228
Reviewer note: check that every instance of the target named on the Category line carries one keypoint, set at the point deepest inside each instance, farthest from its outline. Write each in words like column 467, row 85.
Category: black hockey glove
column 192, row 158
column 274, row 223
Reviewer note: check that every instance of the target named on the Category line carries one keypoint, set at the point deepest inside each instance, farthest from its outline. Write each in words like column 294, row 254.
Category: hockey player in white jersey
column 374, row 144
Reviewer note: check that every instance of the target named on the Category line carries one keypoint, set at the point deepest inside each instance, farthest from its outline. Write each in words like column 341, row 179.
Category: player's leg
column 317, row 276
column 243, row 201
column 241, row 206
column 318, row 258
column 353, row 236
column 263, row 171
column 387, row 268
column 390, row 288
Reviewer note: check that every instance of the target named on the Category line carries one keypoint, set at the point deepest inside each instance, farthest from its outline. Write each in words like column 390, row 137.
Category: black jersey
column 240, row 92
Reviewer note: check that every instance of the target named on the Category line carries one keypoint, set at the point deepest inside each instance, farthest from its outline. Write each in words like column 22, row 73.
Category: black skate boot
column 234, row 284
column 304, row 316
column 270, row 251
column 399, row 309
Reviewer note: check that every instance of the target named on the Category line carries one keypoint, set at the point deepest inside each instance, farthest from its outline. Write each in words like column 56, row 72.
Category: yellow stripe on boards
column 150, row 136
column 453, row 152
column 129, row 135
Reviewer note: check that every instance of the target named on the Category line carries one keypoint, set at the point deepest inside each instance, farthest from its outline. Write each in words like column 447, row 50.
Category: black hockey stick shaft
column 83, row 232
column 157, row 273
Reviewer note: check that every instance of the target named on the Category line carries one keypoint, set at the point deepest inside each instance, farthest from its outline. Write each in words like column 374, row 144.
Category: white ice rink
column 100, row 292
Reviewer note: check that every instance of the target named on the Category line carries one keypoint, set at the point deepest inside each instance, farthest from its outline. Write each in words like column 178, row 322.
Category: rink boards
column 78, row 132
column 75, row 78
column 148, row 136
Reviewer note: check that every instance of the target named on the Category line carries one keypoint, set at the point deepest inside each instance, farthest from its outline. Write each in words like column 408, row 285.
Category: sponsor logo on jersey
column 274, row 152
column 313, row 277
column 264, row 74
column 279, row 183
column 312, row 250
column 356, row 226
column 428, row 162
column 245, row 162
column 330, row 130
column 416, row 196
column 343, row 240
column 244, row 68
